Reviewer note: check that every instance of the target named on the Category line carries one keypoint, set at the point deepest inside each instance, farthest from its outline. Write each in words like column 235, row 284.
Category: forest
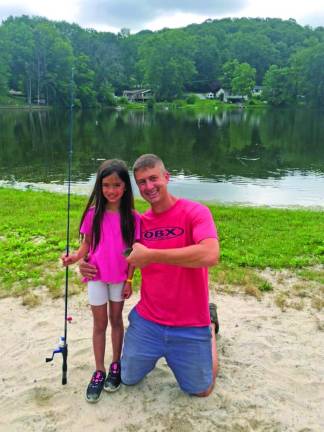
column 38, row 55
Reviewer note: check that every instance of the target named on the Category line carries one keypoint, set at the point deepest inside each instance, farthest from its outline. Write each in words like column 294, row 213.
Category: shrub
column 191, row 99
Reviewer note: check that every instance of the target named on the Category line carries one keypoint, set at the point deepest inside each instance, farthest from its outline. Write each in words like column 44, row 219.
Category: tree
column 167, row 63
column 207, row 62
column 53, row 60
column 4, row 64
column 238, row 77
column 257, row 51
column 228, row 73
column 309, row 66
column 244, row 79
column 279, row 86
column 84, row 80
column 19, row 42
column 37, row 56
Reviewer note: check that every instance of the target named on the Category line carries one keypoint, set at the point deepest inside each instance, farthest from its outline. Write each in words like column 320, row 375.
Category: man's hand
column 127, row 290
column 140, row 256
column 87, row 270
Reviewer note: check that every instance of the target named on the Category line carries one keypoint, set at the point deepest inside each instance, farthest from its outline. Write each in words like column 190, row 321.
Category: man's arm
column 203, row 254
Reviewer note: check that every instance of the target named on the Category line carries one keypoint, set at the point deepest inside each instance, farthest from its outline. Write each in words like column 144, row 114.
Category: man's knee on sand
column 129, row 377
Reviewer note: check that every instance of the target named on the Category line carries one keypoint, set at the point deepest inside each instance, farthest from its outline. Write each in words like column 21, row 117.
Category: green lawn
column 33, row 236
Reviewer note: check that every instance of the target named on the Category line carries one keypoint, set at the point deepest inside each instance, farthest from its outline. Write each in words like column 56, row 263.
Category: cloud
column 7, row 10
column 137, row 13
column 314, row 19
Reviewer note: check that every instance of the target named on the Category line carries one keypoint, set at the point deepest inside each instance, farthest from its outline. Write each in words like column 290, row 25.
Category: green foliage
column 279, row 86
column 150, row 104
column 229, row 69
column 260, row 53
column 167, row 63
column 123, row 100
column 243, row 80
column 4, row 64
column 309, row 66
column 106, row 95
column 238, row 77
column 84, row 80
column 192, row 99
column 37, row 56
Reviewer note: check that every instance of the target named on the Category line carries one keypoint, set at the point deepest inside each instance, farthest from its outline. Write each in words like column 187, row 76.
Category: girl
column 109, row 225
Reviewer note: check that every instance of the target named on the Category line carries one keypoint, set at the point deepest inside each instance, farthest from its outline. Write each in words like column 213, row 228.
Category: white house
column 257, row 91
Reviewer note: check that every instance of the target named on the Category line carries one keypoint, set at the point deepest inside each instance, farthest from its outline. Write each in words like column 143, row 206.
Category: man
column 172, row 319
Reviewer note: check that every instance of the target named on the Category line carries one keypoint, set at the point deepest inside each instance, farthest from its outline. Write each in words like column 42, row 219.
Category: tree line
column 37, row 56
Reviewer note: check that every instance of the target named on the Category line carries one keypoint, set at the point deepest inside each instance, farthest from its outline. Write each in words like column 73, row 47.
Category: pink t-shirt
column 108, row 256
column 173, row 295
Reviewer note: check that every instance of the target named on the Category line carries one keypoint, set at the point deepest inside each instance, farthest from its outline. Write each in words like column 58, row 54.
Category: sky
column 136, row 15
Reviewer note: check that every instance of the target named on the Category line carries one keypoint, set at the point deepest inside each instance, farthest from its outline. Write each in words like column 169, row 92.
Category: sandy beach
column 271, row 374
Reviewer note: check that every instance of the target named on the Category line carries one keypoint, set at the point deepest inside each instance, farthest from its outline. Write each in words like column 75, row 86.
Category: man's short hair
column 147, row 161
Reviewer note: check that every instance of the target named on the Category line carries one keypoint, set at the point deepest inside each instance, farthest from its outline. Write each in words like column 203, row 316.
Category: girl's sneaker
column 113, row 379
column 95, row 386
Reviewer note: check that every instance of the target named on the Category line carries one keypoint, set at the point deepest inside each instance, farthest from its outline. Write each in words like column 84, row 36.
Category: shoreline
column 85, row 189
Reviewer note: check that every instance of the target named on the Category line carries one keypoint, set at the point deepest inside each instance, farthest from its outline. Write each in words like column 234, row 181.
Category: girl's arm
column 78, row 254
column 127, row 290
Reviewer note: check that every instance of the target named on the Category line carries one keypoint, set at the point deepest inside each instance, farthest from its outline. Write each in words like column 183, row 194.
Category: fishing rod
column 63, row 346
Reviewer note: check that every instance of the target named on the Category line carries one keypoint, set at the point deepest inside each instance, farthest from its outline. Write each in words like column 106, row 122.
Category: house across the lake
column 225, row 96
column 236, row 99
column 139, row 95
column 15, row 93
column 210, row 95
column 257, row 90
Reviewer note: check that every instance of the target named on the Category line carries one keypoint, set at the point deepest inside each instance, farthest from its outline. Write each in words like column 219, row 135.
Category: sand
column 270, row 377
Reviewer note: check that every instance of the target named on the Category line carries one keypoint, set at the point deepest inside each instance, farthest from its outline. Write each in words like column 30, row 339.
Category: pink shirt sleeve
column 86, row 226
column 203, row 225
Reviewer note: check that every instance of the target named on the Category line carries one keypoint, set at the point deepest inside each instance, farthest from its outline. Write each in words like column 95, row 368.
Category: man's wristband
column 129, row 280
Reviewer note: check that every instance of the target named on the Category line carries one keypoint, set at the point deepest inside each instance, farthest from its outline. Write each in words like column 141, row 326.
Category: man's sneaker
column 113, row 379
column 95, row 386
column 214, row 316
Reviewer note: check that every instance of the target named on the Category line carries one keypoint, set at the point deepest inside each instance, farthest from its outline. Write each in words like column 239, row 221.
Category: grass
column 209, row 106
column 33, row 236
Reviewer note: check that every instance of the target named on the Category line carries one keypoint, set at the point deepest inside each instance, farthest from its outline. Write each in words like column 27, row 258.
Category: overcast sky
column 112, row 15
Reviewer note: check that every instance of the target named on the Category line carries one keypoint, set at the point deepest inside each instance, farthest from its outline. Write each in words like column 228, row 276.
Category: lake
column 253, row 157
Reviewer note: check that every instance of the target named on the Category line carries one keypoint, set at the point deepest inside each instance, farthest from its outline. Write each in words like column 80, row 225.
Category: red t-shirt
column 173, row 295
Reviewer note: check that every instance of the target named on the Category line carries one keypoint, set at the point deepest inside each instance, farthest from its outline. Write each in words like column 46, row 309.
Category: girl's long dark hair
column 98, row 201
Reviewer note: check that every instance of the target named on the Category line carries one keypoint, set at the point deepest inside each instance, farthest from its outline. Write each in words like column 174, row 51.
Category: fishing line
column 63, row 346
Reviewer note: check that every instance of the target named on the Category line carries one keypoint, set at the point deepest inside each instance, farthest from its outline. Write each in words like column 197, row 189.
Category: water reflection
column 261, row 156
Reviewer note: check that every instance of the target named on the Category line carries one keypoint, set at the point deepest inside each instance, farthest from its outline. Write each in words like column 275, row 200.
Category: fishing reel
column 60, row 348
column 63, row 349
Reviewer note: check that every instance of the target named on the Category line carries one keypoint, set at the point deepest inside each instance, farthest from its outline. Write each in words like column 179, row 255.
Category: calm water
column 260, row 157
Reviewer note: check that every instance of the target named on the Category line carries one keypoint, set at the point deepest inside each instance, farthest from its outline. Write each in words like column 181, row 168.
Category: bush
column 191, row 99
column 179, row 103
column 150, row 104
column 123, row 100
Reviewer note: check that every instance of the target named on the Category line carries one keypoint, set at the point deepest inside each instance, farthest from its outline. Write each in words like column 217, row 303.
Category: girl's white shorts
column 100, row 293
